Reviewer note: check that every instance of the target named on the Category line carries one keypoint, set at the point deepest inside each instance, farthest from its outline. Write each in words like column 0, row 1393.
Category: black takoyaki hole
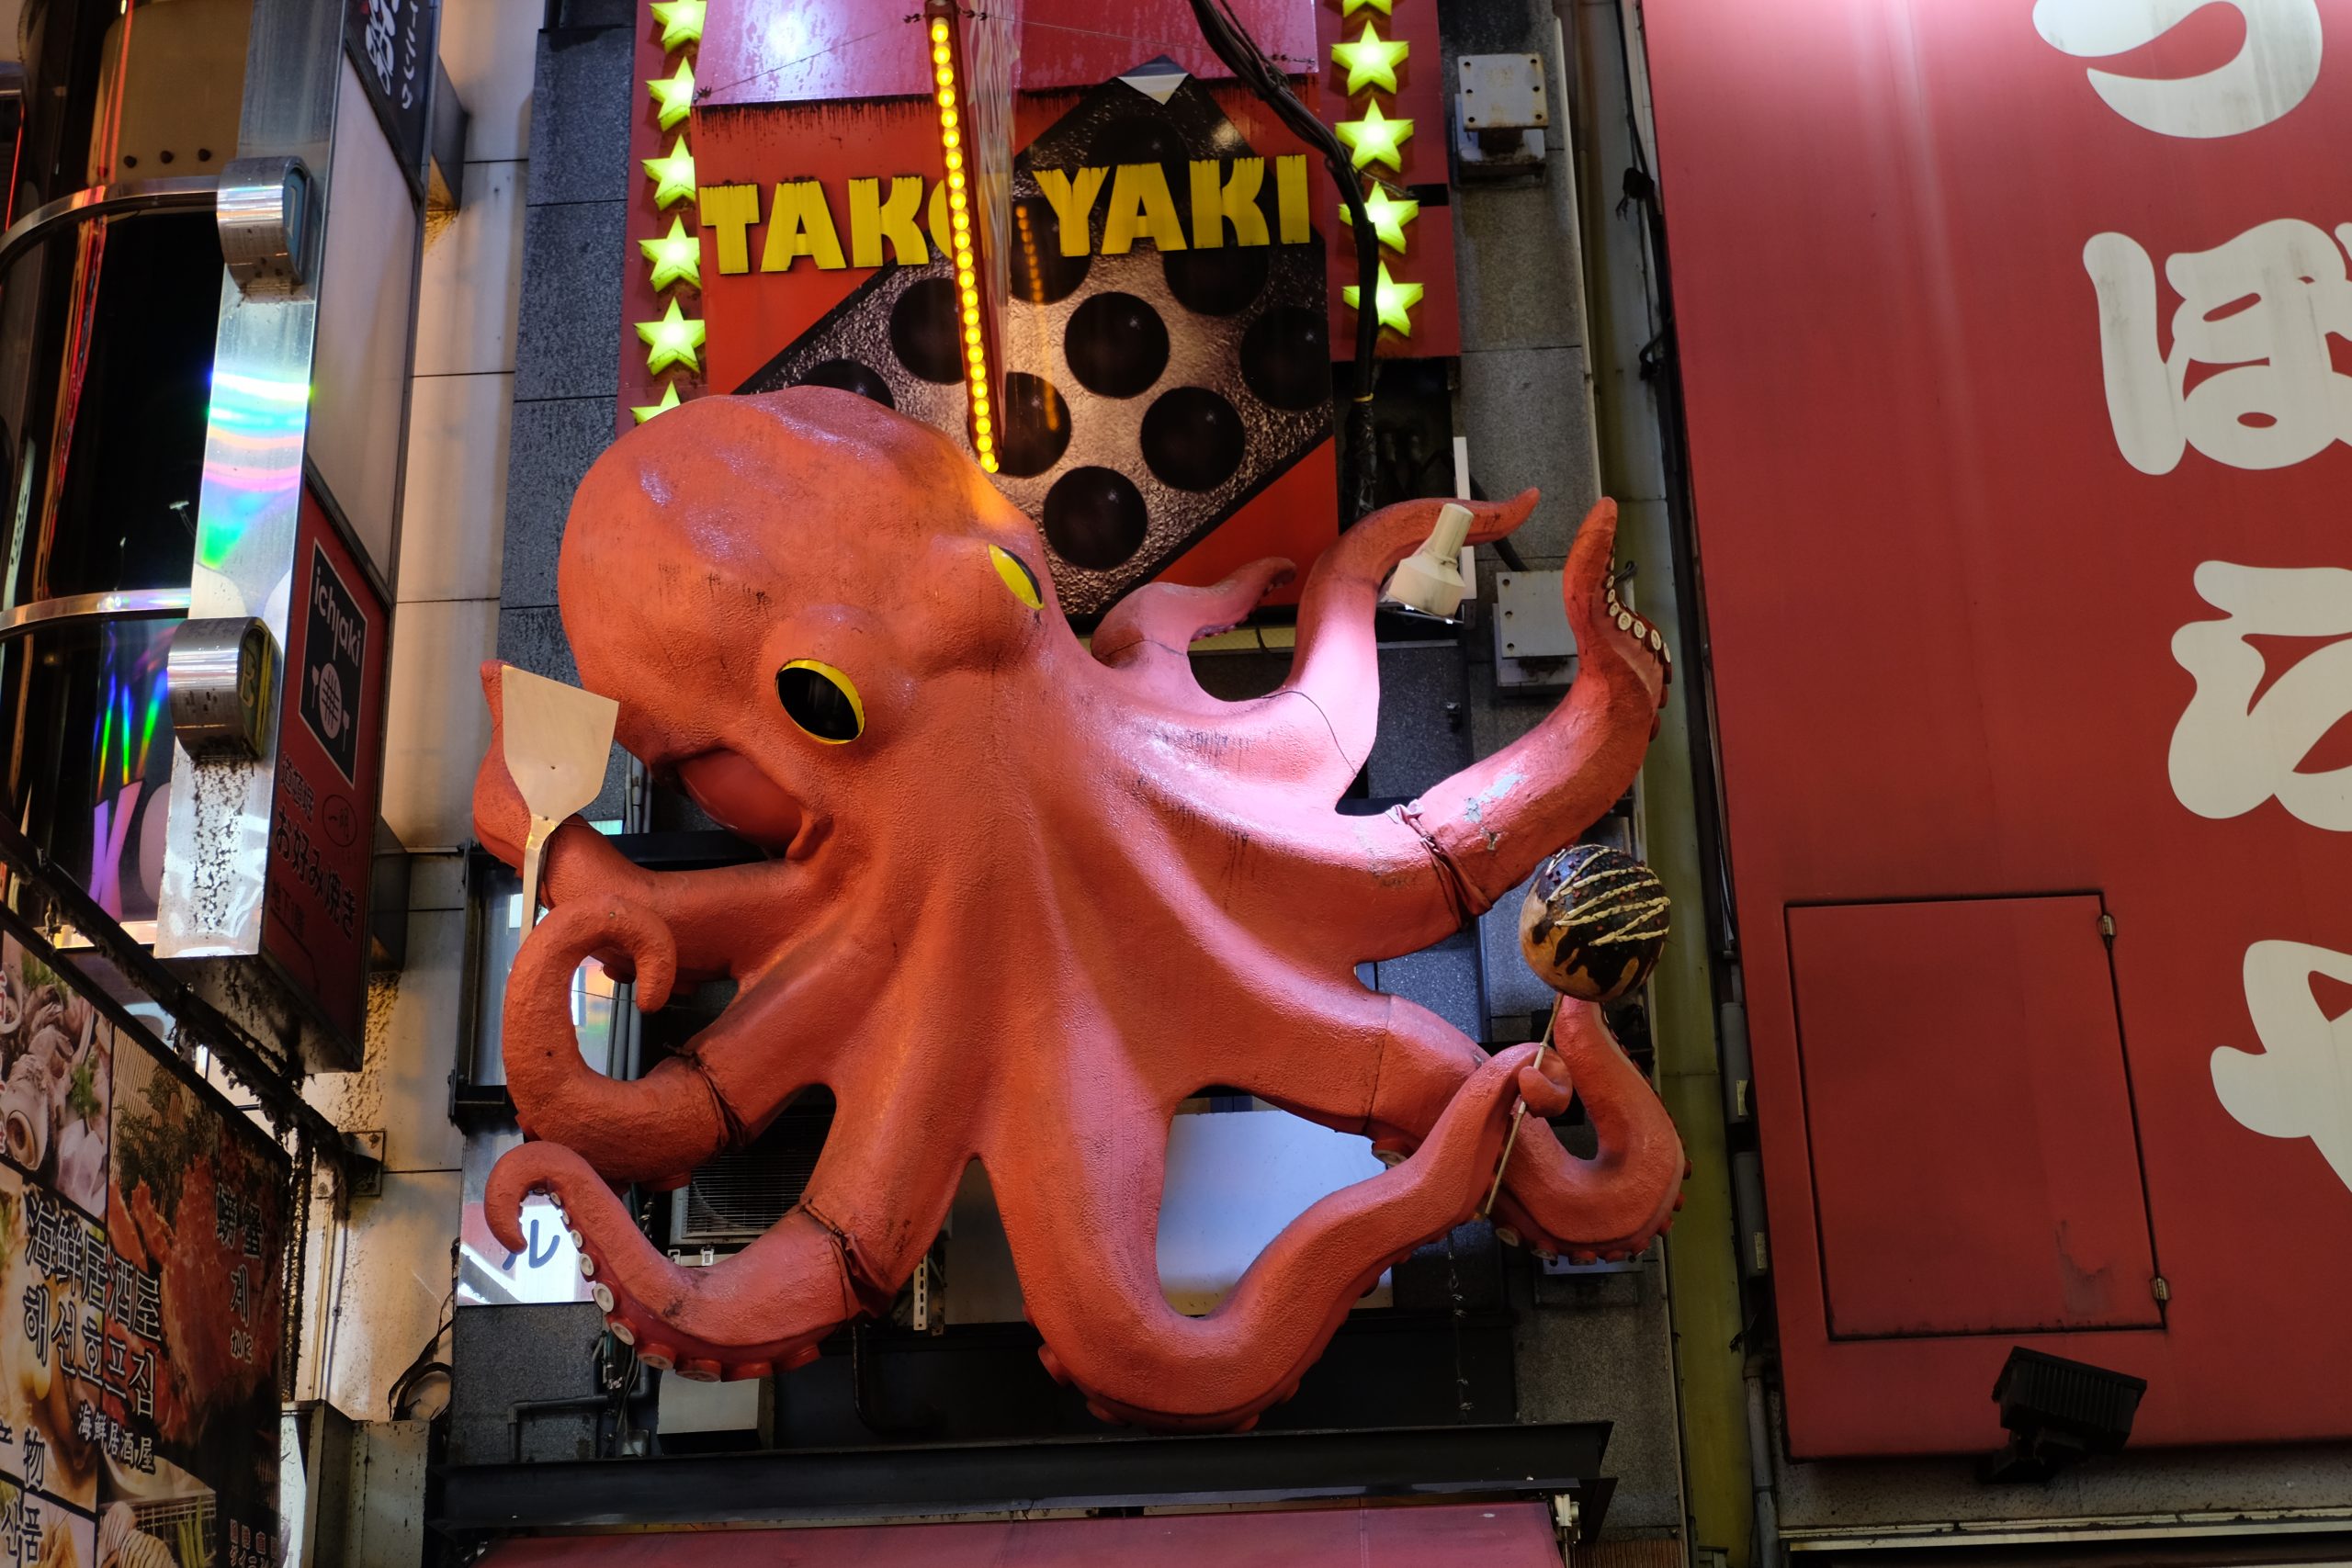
column 1095, row 518
column 1286, row 359
column 1193, row 439
column 1032, row 425
column 1116, row 344
column 848, row 376
column 922, row 330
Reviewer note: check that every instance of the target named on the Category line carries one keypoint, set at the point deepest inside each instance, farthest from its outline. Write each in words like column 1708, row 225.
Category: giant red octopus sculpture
column 1022, row 897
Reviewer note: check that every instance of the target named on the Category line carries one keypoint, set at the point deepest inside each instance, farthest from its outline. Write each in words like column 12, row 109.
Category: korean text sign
column 142, row 1226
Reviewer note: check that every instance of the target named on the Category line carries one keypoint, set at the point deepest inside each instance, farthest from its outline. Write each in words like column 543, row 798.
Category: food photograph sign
column 141, row 1297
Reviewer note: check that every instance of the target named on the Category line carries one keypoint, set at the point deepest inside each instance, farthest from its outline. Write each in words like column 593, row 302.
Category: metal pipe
column 181, row 193
column 1765, row 1550
column 121, row 604
column 575, row 1403
column 200, row 1024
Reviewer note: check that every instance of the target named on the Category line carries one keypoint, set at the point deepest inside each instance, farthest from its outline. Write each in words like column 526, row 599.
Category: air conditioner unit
column 734, row 1200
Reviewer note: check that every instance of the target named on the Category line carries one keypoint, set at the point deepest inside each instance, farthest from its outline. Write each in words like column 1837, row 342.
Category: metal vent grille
column 736, row 1198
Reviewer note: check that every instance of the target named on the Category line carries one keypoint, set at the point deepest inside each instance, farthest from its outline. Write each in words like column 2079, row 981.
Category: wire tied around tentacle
column 1461, row 895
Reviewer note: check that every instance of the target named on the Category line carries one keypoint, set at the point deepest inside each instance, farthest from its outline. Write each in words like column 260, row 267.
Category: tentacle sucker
column 761, row 1311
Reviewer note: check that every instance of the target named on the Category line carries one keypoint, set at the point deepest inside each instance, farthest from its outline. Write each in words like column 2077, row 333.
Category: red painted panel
column 1998, row 1199
column 795, row 51
column 1501, row 1535
column 330, row 776
column 1945, row 583
column 1075, row 43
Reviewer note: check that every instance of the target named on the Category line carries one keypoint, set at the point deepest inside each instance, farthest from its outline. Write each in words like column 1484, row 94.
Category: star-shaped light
column 682, row 20
column 1371, row 60
column 674, row 176
column 669, row 401
column 676, row 254
column 1377, row 138
column 1350, row 7
column 674, row 95
column 1388, row 214
column 676, row 339
column 1390, row 299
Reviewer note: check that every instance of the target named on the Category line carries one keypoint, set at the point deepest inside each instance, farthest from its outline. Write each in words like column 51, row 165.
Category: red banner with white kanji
column 2017, row 346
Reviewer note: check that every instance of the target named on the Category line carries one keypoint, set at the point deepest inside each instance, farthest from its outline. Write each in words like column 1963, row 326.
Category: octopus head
column 796, row 596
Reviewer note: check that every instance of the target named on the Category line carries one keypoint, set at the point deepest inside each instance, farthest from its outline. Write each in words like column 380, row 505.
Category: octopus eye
column 1018, row 577
column 820, row 700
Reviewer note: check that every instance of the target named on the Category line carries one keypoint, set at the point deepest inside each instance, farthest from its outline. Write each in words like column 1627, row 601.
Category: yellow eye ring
column 821, row 700
column 1018, row 577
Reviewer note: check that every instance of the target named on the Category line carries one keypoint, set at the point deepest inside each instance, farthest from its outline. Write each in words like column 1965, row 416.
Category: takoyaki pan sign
column 141, row 1293
column 1164, row 387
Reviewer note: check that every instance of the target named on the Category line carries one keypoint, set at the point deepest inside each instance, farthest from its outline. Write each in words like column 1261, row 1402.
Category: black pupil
column 1026, row 575
column 816, row 704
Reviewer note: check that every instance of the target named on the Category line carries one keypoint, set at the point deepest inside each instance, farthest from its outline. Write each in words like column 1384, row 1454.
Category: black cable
column 1231, row 43
column 405, row 1390
column 620, row 1373
column 422, row 1362
column 1502, row 547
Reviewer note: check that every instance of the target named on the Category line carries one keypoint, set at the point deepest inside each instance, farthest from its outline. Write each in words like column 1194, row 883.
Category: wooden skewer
column 1519, row 1113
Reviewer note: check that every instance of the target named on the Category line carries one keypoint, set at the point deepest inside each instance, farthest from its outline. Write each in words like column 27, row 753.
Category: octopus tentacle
column 759, row 1312
column 1368, row 887
column 1112, row 1332
column 720, row 1089
column 1148, row 633
column 1615, row 1201
column 1336, row 666
column 1489, row 826
column 870, row 1214
column 657, row 1128
column 702, row 910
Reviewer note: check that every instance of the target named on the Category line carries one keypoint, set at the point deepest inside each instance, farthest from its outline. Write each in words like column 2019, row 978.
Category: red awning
column 1502, row 1535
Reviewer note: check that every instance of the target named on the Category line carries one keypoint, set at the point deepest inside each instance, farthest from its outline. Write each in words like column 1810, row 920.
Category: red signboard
column 2014, row 341
column 329, row 769
column 1163, row 376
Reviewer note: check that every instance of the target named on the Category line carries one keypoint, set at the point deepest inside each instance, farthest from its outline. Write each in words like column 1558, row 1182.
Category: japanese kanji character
column 2300, row 1084
column 96, row 1271
column 2270, row 73
column 2260, row 310
column 41, row 1222
column 2231, row 753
